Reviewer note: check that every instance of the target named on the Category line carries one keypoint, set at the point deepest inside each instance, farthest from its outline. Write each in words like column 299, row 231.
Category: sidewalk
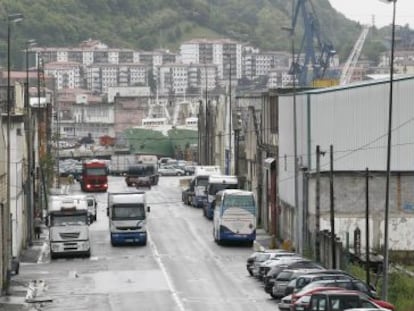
column 21, row 289
column 263, row 240
column 266, row 241
column 25, row 294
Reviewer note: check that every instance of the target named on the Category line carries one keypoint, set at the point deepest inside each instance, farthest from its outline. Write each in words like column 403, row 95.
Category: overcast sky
column 365, row 10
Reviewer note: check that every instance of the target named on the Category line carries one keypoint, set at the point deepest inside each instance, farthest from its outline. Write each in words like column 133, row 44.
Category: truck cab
column 68, row 226
column 127, row 213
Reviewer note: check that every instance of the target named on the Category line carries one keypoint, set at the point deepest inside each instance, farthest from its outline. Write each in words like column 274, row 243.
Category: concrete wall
column 350, row 203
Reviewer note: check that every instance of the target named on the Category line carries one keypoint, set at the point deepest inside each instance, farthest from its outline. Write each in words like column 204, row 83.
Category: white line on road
column 42, row 252
column 165, row 273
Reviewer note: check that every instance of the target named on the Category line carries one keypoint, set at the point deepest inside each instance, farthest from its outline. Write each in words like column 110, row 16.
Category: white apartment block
column 172, row 78
column 202, row 76
column 280, row 78
column 100, row 77
column 83, row 113
column 67, row 74
column 224, row 53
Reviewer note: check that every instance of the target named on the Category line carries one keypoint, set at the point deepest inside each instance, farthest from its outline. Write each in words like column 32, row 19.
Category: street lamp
column 387, row 187
column 207, row 125
column 11, row 18
column 28, row 126
column 229, row 153
column 299, row 220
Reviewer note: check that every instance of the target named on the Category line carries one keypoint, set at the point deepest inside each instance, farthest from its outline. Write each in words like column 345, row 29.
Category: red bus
column 94, row 176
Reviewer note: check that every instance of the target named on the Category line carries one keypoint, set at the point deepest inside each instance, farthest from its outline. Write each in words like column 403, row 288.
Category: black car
column 189, row 169
column 186, row 196
column 280, row 283
column 270, row 277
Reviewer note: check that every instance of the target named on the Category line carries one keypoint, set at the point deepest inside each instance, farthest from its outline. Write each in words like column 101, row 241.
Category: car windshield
column 128, row 212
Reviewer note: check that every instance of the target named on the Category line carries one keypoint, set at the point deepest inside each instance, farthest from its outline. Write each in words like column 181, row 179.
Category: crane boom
column 318, row 50
column 350, row 64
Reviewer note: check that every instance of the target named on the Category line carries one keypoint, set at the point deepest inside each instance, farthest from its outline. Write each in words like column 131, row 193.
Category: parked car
column 186, row 196
column 297, row 284
column 171, row 171
column 189, row 169
column 348, row 283
column 335, row 300
column 284, row 261
column 276, row 286
column 273, row 273
column 260, row 256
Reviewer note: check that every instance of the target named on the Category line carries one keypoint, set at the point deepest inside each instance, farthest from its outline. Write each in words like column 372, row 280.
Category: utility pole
column 317, row 205
column 367, row 224
column 56, row 102
column 229, row 153
column 207, row 140
column 236, row 151
column 332, row 210
column 28, row 129
column 7, row 223
column 389, row 138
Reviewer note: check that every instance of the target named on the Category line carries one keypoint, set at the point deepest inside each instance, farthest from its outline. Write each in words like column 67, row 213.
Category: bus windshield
column 98, row 171
column 128, row 212
column 241, row 201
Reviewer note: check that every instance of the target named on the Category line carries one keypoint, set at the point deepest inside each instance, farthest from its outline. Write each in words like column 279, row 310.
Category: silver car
column 171, row 171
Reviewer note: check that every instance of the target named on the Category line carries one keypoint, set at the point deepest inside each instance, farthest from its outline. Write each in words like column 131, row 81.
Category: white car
column 171, row 171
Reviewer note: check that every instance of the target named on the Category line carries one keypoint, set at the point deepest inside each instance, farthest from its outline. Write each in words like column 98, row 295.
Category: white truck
column 127, row 213
column 68, row 226
column 200, row 182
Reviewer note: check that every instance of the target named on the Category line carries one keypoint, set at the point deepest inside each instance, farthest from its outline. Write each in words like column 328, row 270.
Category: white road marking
column 165, row 273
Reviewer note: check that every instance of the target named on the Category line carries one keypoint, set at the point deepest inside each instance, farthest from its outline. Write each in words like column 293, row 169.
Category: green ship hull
column 148, row 141
column 183, row 142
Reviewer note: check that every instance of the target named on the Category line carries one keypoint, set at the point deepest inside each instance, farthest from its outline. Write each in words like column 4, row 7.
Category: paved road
column 181, row 268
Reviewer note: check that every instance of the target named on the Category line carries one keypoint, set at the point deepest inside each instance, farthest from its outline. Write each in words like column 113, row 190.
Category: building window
column 273, row 113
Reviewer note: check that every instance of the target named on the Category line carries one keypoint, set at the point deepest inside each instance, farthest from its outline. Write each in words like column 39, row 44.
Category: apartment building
column 172, row 78
column 226, row 54
column 82, row 113
column 66, row 74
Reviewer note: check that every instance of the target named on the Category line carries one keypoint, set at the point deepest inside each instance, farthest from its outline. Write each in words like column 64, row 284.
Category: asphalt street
column 180, row 269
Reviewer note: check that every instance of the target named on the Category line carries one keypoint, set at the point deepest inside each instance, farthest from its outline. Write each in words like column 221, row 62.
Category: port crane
column 352, row 60
column 318, row 51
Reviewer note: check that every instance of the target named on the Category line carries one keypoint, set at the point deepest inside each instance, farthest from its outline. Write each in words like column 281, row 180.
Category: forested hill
column 149, row 24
